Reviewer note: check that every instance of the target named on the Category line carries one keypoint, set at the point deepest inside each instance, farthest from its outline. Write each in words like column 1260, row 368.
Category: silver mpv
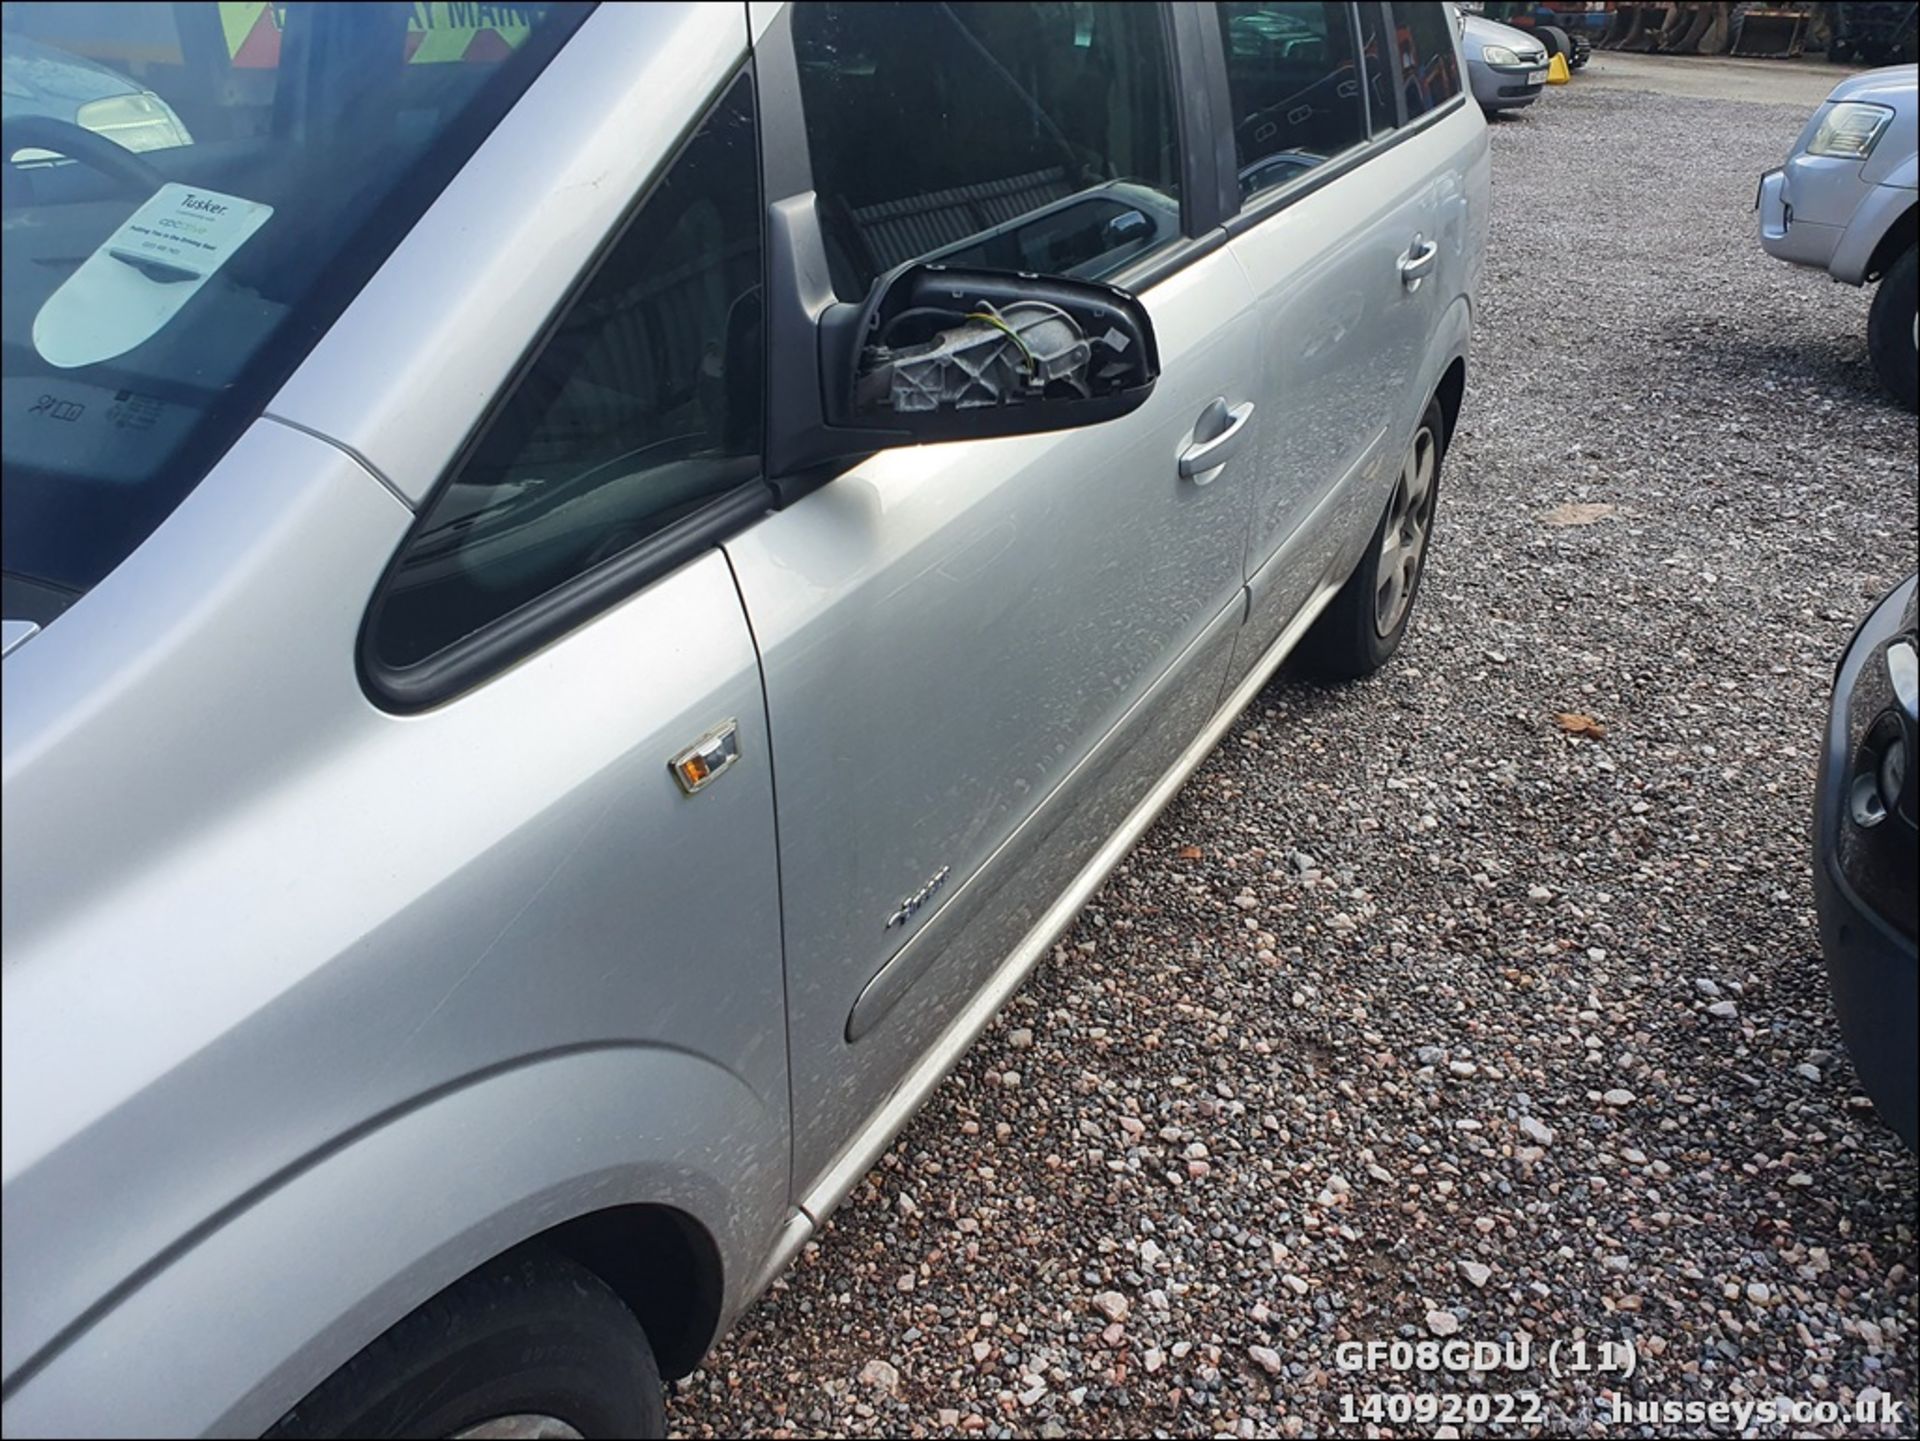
column 587, row 589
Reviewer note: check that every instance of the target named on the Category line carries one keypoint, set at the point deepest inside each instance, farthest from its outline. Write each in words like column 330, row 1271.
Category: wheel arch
column 1881, row 228
column 609, row 1155
column 663, row 1263
column 1443, row 370
column 1902, row 234
column 1451, row 392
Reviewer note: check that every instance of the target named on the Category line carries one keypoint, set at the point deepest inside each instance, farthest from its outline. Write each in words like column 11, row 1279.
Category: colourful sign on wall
column 436, row 33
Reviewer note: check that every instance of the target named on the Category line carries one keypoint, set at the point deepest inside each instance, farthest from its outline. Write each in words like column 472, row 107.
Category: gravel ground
column 1416, row 1014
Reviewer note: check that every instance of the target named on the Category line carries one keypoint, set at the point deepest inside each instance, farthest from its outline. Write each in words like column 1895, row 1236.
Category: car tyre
column 1555, row 39
column 531, row 1345
column 1364, row 624
column 1893, row 334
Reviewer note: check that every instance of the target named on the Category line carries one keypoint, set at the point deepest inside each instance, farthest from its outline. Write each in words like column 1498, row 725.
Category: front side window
column 1294, row 86
column 1034, row 136
column 192, row 193
column 642, row 406
column 1429, row 65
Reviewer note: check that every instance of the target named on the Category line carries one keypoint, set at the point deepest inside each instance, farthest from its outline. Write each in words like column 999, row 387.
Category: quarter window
column 642, row 405
column 1034, row 137
column 1295, row 88
column 1429, row 65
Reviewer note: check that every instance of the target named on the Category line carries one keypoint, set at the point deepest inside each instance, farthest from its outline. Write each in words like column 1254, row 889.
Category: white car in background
column 1844, row 202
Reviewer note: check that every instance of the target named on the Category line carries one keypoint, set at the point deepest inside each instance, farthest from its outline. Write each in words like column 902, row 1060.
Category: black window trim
column 1357, row 47
column 1206, row 146
column 1391, row 59
column 1206, row 169
column 503, row 643
column 1262, row 208
column 1209, row 192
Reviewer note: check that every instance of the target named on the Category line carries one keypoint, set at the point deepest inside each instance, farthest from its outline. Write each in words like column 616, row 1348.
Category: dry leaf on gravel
column 1575, row 723
column 1189, row 853
column 1578, row 512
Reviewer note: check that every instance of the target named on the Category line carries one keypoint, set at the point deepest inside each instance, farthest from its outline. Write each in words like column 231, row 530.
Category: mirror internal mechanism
column 985, row 355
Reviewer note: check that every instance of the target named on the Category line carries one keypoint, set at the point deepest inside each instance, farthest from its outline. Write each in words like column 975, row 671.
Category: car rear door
column 979, row 655
column 1336, row 229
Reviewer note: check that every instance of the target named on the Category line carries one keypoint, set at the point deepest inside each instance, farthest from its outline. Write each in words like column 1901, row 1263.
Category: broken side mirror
column 953, row 354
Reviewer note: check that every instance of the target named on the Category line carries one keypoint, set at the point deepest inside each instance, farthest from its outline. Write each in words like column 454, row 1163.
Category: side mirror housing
column 850, row 379
column 942, row 353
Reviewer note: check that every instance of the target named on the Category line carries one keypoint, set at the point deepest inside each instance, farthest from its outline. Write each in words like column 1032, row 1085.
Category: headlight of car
column 1897, row 788
column 1882, row 732
column 140, row 121
column 1850, row 130
column 1874, row 846
column 1893, row 772
column 1499, row 55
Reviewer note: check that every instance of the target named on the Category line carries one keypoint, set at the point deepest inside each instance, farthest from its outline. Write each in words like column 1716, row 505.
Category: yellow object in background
column 1557, row 72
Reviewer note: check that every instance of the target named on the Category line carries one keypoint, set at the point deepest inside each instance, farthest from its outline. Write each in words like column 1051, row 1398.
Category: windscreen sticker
column 141, row 276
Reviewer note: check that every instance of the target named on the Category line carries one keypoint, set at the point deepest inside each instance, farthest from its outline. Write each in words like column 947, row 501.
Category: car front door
column 1336, row 223
column 980, row 655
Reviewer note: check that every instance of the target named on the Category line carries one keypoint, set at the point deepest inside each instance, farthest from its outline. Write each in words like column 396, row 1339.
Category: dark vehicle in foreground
column 1864, row 853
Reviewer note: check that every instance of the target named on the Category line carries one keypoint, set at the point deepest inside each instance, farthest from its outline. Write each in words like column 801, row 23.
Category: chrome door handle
column 1200, row 460
column 1418, row 263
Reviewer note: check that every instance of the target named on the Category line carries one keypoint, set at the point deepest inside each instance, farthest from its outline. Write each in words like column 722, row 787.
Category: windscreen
column 193, row 192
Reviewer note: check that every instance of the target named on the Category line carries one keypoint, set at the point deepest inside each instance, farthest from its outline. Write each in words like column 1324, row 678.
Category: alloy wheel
column 1403, row 546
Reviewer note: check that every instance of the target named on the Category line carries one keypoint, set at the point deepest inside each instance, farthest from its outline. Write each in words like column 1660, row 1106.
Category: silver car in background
column 1845, row 203
column 1507, row 67
column 558, row 672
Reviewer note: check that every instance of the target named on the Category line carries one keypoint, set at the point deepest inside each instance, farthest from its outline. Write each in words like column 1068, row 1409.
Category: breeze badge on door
column 697, row 765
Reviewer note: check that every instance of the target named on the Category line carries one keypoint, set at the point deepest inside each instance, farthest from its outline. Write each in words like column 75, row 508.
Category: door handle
column 1418, row 263
column 1226, row 430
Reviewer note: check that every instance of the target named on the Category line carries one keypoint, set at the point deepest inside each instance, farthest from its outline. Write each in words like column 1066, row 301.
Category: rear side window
column 643, row 405
column 1294, row 86
column 1034, row 137
column 1429, row 65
